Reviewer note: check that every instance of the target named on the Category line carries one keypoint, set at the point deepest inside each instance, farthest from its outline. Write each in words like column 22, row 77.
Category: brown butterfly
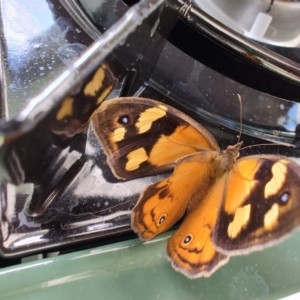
column 232, row 206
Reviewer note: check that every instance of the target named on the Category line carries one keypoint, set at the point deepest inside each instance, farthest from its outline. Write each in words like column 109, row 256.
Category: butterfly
column 231, row 206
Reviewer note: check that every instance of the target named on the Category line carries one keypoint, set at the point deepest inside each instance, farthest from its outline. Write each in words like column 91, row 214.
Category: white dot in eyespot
column 187, row 239
column 124, row 120
column 162, row 219
column 284, row 198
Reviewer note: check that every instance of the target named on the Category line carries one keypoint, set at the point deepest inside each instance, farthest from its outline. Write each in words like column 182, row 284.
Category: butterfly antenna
column 241, row 116
column 257, row 145
column 269, row 144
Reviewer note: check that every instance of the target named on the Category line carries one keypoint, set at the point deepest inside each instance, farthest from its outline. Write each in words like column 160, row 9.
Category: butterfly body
column 233, row 206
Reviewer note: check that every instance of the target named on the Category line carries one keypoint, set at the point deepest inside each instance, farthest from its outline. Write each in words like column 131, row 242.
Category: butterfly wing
column 162, row 204
column 260, row 206
column 142, row 136
column 190, row 249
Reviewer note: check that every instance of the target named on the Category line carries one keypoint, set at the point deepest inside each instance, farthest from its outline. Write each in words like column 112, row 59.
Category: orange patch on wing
column 93, row 86
column 184, row 141
column 279, row 172
column 271, row 217
column 240, row 182
column 135, row 158
column 240, row 220
column 104, row 94
column 149, row 116
column 118, row 134
column 66, row 109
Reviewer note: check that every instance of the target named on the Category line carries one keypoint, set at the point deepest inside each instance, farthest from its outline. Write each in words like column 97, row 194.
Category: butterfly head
column 233, row 150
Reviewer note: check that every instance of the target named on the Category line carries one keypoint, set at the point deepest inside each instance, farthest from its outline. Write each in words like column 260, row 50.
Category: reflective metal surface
column 36, row 42
column 45, row 144
column 284, row 27
column 70, row 194
column 249, row 57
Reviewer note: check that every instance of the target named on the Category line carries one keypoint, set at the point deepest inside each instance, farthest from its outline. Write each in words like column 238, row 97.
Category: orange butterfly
column 232, row 206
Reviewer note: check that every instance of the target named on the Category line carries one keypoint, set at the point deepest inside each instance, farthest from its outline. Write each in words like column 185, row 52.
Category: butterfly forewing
column 261, row 204
column 142, row 136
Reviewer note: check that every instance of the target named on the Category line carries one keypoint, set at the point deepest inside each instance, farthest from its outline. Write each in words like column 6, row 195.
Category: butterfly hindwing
column 142, row 136
column 260, row 204
column 196, row 186
column 162, row 204
column 191, row 249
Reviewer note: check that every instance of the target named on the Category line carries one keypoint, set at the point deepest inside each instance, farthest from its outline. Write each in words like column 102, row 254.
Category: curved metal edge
column 38, row 107
column 237, row 43
column 75, row 10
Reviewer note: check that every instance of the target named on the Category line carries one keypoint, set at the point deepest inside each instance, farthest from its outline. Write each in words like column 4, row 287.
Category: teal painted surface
column 136, row 270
